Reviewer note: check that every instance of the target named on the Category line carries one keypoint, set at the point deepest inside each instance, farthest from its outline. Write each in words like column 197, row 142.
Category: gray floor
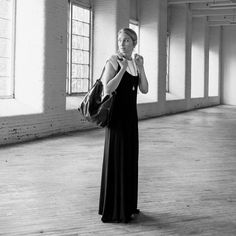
column 187, row 181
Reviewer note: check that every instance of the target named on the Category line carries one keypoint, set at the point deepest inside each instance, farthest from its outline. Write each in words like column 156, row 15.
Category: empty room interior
column 51, row 54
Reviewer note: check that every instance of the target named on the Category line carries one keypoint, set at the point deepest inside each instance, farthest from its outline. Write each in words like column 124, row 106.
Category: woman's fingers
column 138, row 59
column 122, row 62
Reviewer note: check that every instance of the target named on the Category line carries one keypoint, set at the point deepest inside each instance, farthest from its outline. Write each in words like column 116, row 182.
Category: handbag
column 96, row 109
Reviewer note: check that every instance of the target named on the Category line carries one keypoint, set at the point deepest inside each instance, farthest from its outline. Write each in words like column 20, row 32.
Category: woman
column 119, row 184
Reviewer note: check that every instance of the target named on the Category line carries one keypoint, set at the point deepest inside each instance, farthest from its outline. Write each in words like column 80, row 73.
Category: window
column 134, row 25
column 167, row 62
column 214, row 60
column 7, row 32
column 198, row 58
column 78, row 49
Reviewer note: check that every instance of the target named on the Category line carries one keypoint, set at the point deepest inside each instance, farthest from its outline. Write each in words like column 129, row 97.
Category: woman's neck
column 129, row 58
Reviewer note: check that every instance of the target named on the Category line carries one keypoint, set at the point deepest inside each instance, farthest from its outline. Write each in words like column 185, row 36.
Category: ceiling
column 218, row 12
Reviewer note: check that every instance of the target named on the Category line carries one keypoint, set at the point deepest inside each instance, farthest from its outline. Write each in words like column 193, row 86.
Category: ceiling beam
column 222, row 7
column 200, row 8
column 221, row 18
column 223, row 23
column 219, row 5
column 170, row 2
column 201, row 13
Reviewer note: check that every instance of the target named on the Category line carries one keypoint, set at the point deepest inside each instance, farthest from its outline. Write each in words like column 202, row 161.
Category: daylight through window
column 7, row 31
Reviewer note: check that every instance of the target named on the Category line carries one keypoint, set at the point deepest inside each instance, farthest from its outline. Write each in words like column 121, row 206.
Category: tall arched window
column 78, row 48
column 167, row 62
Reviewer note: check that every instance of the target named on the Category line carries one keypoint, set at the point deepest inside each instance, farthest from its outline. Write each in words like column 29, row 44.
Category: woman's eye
column 124, row 40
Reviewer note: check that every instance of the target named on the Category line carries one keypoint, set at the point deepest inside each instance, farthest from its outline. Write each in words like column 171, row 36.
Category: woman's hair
column 131, row 34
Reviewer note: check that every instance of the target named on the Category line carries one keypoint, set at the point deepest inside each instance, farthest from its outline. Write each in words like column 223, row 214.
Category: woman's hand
column 143, row 83
column 122, row 62
column 139, row 61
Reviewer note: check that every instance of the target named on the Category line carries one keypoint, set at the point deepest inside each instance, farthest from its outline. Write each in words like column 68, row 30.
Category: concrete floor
column 187, row 181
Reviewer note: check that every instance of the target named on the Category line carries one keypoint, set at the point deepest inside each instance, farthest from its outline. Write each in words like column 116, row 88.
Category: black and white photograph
column 117, row 117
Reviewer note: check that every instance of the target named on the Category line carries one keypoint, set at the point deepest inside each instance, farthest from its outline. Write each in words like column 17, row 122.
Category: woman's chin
column 124, row 53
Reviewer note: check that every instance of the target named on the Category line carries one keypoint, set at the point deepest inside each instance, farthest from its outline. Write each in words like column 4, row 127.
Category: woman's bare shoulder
column 113, row 61
column 110, row 68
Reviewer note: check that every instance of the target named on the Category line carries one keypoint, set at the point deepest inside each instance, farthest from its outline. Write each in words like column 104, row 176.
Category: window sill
column 12, row 107
column 171, row 97
column 145, row 98
column 72, row 102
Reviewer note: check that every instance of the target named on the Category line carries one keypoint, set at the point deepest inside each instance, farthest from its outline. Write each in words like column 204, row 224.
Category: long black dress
column 119, row 183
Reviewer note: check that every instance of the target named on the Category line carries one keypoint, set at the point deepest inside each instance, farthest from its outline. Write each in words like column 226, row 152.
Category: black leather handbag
column 95, row 108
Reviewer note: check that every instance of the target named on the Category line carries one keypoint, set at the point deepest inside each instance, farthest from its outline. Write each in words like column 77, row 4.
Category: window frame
column 69, row 47
column 12, row 54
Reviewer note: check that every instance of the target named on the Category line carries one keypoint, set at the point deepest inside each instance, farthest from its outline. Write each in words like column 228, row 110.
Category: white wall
column 229, row 65
column 177, row 30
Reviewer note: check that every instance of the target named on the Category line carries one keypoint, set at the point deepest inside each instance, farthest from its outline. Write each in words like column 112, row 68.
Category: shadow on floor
column 171, row 223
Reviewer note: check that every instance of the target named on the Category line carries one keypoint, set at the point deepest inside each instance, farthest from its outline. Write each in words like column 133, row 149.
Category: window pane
column 5, row 8
column 79, row 85
column 5, row 27
column 134, row 27
column 86, row 30
column 78, row 13
column 86, row 15
column 77, row 56
column 167, row 62
column 77, row 71
column 81, row 14
column 5, row 48
column 4, row 67
column 85, row 71
column 5, row 88
column 77, row 42
column 86, row 58
column 74, row 56
column 77, row 27
column 86, row 43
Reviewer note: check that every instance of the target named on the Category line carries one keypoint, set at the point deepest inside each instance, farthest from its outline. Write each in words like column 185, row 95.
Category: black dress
column 119, row 183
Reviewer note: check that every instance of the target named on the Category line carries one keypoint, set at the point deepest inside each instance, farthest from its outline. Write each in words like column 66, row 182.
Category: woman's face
column 125, row 44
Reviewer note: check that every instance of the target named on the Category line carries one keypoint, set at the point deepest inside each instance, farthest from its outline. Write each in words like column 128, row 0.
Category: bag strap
column 118, row 68
column 105, row 67
column 102, row 72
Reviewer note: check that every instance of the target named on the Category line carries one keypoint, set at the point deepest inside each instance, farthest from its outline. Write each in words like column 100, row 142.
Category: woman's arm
column 111, row 78
column 143, row 83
